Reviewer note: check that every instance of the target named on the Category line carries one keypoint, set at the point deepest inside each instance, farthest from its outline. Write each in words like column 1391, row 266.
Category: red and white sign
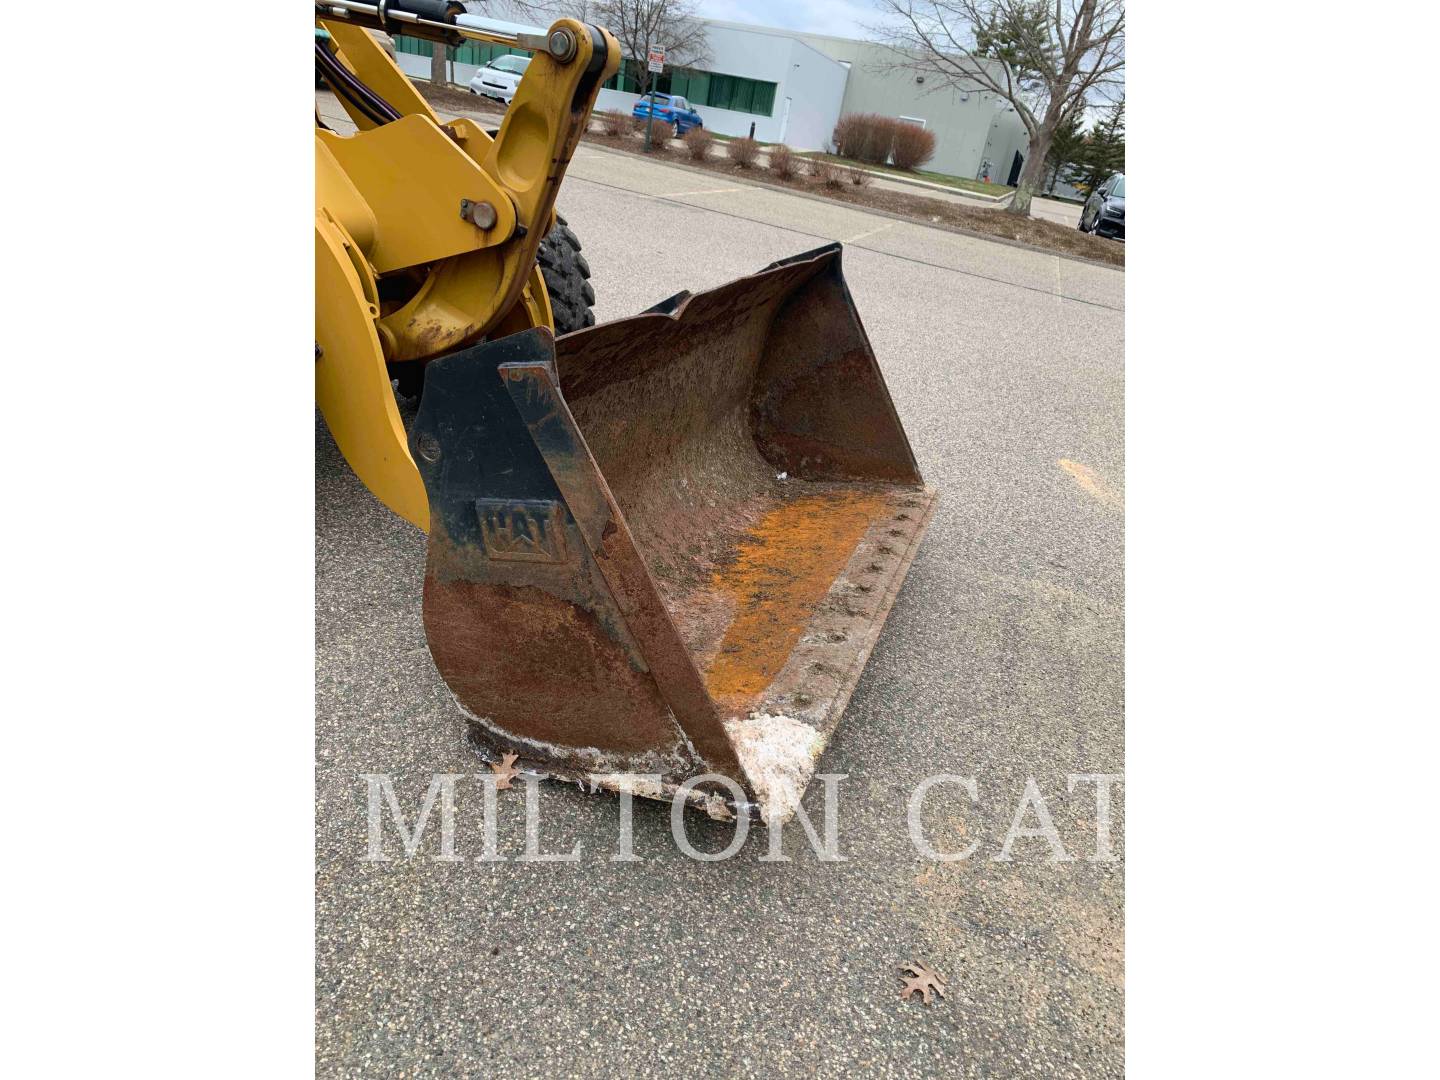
column 656, row 60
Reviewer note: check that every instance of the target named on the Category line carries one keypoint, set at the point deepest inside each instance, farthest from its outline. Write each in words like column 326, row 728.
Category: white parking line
column 707, row 191
column 872, row 232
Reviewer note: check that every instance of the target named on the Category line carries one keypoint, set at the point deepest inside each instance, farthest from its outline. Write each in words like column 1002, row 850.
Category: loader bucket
column 664, row 546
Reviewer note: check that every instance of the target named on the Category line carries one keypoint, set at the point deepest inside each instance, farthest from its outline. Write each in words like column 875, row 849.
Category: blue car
column 670, row 109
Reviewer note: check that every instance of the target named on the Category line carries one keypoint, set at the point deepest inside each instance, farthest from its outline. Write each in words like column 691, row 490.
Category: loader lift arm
column 450, row 216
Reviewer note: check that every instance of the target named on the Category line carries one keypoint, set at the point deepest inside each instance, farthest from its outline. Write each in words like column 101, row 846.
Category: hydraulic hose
column 345, row 83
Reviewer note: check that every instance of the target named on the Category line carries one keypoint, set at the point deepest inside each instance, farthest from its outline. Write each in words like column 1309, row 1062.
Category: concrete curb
column 915, row 181
column 932, row 186
column 939, row 226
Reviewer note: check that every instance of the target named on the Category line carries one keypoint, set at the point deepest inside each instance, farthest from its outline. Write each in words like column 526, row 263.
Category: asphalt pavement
column 1062, row 213
column 1002, row 660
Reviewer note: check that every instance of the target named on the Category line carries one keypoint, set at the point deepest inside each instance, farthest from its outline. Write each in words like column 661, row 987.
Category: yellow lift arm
column 426, row 233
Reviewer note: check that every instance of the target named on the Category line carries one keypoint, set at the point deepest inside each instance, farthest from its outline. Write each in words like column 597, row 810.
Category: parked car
column 1104, row 211
column 671, row 110
column 500, row 77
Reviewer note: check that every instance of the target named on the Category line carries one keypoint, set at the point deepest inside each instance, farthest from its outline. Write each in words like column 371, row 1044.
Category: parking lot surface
column 1001, row 661
column 1063, row 213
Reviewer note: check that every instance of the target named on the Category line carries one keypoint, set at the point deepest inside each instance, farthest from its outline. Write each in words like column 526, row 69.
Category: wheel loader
column 660, row 549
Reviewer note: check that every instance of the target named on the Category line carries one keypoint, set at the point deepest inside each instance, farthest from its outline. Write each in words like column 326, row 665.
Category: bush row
column 745, row 153
column 881, row 140
column 867, row 137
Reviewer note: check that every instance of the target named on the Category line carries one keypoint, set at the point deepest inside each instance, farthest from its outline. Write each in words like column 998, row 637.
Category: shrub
column 846, row 138
column 825, row 172
column 659, row 138
column 860, row 178
column 617, row 123
column 783, row 162
column 879, row 137
column 743, row 152
column 866, row 137
column 877, row 140
column 698, row 142
column 912, row 146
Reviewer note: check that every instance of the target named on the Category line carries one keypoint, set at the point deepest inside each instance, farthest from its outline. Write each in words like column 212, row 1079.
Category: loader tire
column 566, row 274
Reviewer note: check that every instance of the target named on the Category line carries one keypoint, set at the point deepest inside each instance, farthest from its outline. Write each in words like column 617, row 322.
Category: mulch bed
column 452, row 99
column 983, row 220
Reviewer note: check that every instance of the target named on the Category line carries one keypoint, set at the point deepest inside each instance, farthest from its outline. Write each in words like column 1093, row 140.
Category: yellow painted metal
column 361, row 53
column 387, row 203
column 533, row 309
column 414, row 177
column 352, row 386
column 527, row 158
column 341, row 199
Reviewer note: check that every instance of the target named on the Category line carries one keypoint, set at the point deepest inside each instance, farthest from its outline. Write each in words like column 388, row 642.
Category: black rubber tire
column 567, row 275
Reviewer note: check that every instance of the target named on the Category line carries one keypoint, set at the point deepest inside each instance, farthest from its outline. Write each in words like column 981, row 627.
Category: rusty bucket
column 664, row 546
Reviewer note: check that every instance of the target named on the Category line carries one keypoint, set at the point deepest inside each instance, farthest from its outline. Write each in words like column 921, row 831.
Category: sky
column 843, row 18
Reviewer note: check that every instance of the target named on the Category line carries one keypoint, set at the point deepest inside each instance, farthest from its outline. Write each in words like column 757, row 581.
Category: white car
column 499, row 78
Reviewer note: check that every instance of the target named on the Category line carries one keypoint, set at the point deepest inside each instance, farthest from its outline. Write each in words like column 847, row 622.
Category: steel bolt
column 562, row 46
column 428, row 447
column 480, row 214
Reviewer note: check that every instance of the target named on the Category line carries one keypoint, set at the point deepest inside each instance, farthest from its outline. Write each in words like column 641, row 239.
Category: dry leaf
column 505, row 771
column 924, row 980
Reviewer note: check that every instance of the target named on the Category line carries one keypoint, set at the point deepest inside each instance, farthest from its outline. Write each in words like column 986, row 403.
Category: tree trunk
column 1034, row 171
column 437, row 63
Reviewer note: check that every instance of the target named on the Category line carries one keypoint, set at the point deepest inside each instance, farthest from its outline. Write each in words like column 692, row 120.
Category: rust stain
column 1091, row 481
column 541, row 666
column 781, row 572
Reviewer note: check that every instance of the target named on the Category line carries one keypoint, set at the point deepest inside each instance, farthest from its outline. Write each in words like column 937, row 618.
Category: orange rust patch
column 1092, row 482
column 781, row 572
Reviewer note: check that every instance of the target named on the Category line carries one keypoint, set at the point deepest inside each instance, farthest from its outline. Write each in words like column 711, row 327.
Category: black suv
column 1104, row 212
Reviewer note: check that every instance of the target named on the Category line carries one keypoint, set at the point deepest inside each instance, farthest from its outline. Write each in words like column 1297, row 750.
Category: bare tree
column 639, row 25
column 1047, row 59
column 437, row 64
column 540, row 12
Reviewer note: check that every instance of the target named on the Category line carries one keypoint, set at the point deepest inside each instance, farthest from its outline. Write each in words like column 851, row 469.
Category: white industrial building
column 792, row 87
column 790, row 91
column 972, row 126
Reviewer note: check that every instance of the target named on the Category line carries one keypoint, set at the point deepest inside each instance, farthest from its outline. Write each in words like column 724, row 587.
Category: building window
column 478, row 53
column 702, row 88
column 697, row 87
column 741, row 95
column 624, row 80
